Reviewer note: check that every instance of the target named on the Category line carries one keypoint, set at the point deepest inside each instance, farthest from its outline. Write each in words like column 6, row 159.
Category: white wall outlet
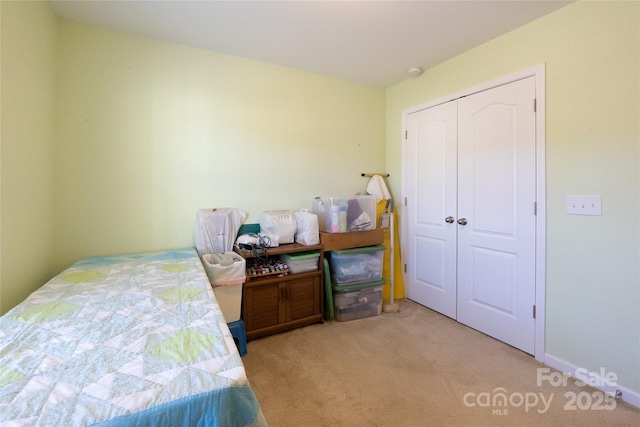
column 584, row 205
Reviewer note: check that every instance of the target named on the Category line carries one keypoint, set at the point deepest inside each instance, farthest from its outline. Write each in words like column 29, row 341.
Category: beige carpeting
column 413, row 368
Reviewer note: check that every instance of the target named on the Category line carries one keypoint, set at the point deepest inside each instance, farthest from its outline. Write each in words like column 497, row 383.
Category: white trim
column 537, row 71
column 541, row 217
column 602, row 384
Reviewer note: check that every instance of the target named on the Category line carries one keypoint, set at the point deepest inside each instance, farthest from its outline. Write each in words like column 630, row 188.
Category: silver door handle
column 449, row 219
column 462, row 221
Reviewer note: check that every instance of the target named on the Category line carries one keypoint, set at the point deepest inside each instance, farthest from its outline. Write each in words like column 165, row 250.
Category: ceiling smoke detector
column 414, row 71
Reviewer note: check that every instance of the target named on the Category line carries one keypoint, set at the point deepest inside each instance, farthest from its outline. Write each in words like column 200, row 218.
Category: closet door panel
column 496, row 195
column 487, row 165
column 431, row 155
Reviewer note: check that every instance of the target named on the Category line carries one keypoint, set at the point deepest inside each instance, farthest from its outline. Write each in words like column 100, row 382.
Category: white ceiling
column 371, row 42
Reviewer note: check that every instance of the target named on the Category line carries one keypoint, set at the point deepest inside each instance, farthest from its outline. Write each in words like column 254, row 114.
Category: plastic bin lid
column 359, row 286
column 363, row 250
column 302, row 255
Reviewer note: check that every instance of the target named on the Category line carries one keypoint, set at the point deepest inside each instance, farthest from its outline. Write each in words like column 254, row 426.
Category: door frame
column 537, row 71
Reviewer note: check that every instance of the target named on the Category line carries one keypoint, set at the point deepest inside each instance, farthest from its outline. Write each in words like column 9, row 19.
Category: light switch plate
column 584, row 205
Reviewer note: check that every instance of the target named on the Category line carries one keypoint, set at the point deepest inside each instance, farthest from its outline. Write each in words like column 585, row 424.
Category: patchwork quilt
column 124, row 340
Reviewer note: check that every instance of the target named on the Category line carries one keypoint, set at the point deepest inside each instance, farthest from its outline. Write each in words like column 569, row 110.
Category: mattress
column 124, row 341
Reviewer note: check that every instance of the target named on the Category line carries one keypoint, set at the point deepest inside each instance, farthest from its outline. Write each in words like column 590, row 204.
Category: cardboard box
column 353, row 239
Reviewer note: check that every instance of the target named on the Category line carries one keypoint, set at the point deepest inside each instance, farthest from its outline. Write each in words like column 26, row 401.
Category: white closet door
column 432, row 198
column 470, row 186
column 496, row 196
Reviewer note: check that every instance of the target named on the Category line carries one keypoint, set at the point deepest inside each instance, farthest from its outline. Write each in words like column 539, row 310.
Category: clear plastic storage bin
column 342, row 214
column 358, row 301
column 301, row 262
column 358, row 265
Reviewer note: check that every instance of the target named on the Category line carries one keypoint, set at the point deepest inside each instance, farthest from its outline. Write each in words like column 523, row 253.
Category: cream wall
column 111, row 142
column 592, row 56
column 149, row 132
column 27, row 138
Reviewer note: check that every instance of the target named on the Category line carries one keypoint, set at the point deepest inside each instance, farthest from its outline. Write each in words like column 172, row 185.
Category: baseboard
column 630, row 396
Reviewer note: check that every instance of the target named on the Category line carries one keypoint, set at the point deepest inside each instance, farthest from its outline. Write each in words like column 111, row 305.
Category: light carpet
column 414, row 368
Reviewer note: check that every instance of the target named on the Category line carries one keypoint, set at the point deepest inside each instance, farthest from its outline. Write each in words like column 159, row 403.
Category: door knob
column 449, row 219
column 462, row 221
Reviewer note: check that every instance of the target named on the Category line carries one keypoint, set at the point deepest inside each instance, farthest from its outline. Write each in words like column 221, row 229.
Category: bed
column 124, row 341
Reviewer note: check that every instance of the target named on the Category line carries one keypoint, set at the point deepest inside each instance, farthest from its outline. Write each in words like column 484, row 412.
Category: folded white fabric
column 377, row 187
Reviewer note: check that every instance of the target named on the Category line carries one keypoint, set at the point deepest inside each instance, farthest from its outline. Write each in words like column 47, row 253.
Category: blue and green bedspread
column 124, row 341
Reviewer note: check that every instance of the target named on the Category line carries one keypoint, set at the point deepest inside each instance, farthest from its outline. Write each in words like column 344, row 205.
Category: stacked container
column 343, row 214
column 356, row 276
